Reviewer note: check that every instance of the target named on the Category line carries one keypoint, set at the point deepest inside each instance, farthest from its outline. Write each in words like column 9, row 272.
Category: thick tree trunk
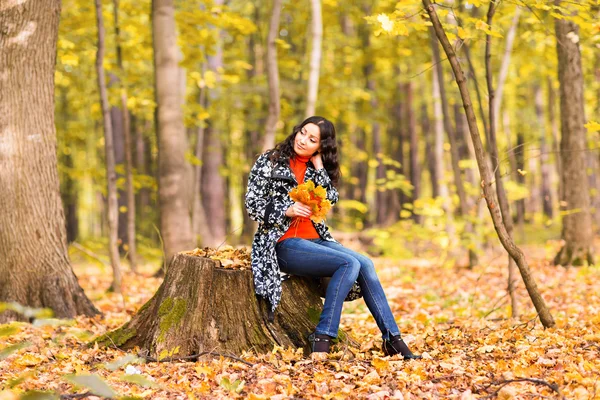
column 173, row 170
column 203, row 308
column 273, row 77
column 315, row 57
column 34, row 265
column 486, row 176
column 577, row 223
column 111, row 175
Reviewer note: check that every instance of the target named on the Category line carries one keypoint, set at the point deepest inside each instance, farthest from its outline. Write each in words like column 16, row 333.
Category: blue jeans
column 321, row 258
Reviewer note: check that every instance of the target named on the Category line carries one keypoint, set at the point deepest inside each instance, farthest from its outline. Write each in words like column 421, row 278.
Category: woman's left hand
column 317, row 160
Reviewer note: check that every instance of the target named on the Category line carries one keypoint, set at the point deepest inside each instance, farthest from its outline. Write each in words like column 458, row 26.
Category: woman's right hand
column 299, row 210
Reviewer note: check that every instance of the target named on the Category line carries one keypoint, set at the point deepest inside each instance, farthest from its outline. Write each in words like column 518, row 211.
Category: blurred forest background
column 192, row 91
column 377, row 81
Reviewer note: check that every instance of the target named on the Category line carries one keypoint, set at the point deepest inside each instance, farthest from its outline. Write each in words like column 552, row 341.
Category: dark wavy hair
column 284, row 151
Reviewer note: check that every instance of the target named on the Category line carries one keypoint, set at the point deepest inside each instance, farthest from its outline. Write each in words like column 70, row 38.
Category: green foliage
column 9, row 350
column 94, row 383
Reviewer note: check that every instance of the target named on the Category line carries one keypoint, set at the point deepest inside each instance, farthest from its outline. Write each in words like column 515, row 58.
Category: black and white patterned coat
column 267, row 199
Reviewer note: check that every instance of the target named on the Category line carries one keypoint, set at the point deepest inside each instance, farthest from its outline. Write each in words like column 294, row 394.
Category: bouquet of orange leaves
column 314, row 197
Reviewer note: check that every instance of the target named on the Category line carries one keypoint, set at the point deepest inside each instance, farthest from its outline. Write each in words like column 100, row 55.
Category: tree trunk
column 510, row 40
column 430, row 151
column 111, row 175
column 203, row 308
column 464, row 153
column 555, row 137
column 173, row 170
column 545, row 167
column 129, row 192
column 141, row 145
column 68, row 187
column 35, row 270
column 116, row 120
column 577, row 224
column 438, row 148
column 486, row 176
column 315, row 57
column 454, row 158
column 493, row 150
column 415, row 167
column 199, row 225
column 213, row 186
column 520, row 160
column 272, row 77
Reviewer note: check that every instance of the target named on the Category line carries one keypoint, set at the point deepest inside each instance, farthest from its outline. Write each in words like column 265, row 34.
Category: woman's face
column 308, row 141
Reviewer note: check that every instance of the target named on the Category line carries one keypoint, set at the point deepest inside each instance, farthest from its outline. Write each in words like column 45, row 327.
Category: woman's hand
column 317, row 160
column 298, row 210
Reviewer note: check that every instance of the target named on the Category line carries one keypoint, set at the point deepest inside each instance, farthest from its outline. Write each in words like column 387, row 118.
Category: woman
column 287, row 240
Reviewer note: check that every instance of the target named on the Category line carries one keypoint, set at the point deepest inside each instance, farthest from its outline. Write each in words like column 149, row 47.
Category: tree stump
column 201, row 307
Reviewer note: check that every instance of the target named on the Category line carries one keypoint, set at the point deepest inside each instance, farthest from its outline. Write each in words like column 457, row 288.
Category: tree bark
column 438, row 146
column 545, row 166
column 464, row 154
column 272, row 77
column 493, row 150
column 173, row 170
column 429, row 151
column 415, row 167
column 504, row 66
column 213, row 186
column 35, row 270
column 68, row 185
column 200, row 307
column 555, row 137
column 454, row 157
column 129, row 192
column 199, row 225
column 111, row 175
column 577, row 224
column 486, row 176
column 315, row 57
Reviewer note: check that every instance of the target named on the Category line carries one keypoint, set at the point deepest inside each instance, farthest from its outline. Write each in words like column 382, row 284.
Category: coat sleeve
column 261, row 204
column 321, row 178
column 257, row 193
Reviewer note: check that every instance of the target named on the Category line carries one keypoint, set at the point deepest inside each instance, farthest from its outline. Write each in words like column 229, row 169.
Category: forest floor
column 456, row 317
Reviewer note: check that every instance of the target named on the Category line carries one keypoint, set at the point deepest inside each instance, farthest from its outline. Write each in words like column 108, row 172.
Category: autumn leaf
column 314, row 197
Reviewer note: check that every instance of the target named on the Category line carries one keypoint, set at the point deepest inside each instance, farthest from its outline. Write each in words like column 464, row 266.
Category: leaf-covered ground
column 455, row 317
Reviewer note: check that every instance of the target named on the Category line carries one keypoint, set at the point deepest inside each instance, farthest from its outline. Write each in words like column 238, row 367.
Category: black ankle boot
column 395, row 345
column 319, row 343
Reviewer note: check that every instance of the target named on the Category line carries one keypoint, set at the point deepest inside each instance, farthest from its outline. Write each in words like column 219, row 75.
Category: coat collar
column 282, row 170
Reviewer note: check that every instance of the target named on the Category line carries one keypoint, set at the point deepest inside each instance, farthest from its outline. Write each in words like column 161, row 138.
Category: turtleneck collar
column 302, row 159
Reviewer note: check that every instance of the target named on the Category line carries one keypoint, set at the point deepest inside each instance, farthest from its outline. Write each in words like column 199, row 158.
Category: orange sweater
column 300, row 227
